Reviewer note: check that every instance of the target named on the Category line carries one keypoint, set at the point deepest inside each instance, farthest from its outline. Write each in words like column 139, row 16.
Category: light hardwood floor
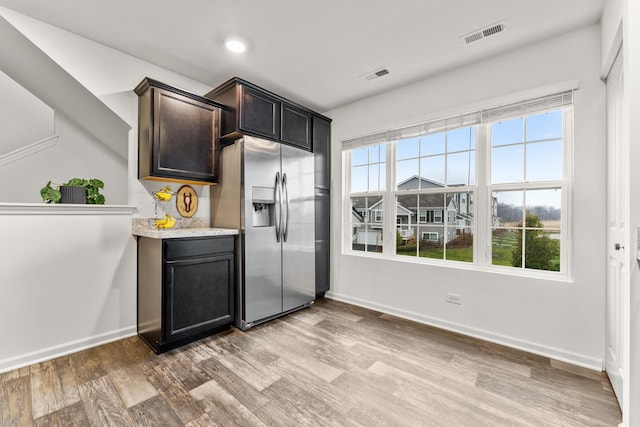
column 331, row 364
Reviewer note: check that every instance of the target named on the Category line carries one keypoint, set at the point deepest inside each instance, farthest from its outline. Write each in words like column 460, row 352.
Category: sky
column 522, row 149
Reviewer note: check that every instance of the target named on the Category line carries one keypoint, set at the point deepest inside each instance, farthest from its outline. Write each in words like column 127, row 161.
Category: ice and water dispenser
column 263, row 199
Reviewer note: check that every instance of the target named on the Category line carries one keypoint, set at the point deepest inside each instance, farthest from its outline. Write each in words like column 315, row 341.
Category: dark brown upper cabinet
column 322, row 151
column 251, row 110
column 178, row 134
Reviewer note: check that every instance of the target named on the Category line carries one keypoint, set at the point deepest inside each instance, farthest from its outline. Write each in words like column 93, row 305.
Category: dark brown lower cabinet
column 185, row 289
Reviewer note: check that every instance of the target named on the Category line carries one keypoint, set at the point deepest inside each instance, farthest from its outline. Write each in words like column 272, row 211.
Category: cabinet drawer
column 193, row 247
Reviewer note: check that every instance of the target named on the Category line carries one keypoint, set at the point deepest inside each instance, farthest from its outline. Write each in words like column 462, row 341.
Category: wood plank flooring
column 330, row 365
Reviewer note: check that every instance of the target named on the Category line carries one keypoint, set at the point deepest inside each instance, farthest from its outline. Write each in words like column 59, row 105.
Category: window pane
column 408, row 148
column 407, row 174
column 461, row 168
column 432, row 169
column 461, row 139
column 374, row 177
column 544, row 161
column 459, row 231
column 359, row 156
column 433, row 205
column 359, row 179
column 504, row 247
column 507, row 164
column 543, row 208
column 509, row 132
column 542, row 250
column 432, row 144
column 368, row 169
column 460, row 247
column 366, row 231
column 406, row 212
column 544, row 126
column 374, row 154
column 431, row 242
column 507, row 208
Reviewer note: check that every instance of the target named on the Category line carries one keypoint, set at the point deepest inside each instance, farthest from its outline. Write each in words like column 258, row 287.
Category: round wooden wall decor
column 186, row 201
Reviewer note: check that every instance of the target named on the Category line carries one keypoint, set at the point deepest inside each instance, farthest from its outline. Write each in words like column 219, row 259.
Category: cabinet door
column 322, row 152
column 185, row 138
column 259, row 114
column 322, row 230
column 296, row 127
column 198, row 295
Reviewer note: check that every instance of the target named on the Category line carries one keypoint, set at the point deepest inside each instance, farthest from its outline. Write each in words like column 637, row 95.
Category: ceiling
column 312, row 52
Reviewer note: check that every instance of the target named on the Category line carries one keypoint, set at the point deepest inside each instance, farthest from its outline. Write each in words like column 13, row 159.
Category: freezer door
column 262, row 288
column 298, row 246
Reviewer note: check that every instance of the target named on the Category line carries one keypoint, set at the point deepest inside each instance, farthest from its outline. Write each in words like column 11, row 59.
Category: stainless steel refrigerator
column 266, row 191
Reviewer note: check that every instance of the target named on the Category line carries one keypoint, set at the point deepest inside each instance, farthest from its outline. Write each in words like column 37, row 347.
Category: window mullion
column 482, row 197
column 389, row 220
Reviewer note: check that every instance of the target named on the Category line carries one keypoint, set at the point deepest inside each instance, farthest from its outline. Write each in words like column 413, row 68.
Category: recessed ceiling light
column 235, row 45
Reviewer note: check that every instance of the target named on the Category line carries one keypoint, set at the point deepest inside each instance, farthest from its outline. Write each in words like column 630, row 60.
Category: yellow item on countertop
column 164, row 194
column 167, row 222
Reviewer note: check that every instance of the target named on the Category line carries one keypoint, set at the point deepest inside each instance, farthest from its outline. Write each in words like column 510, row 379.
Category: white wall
column 559, row 319
column 45, row 311
column 68, row 281
column 22, row 108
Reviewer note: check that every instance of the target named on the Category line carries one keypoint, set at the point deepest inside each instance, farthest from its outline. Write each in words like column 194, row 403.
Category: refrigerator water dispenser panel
column 263, row 200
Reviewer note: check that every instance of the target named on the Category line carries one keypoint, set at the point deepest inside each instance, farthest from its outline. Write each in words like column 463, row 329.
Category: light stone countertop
column 184, row 228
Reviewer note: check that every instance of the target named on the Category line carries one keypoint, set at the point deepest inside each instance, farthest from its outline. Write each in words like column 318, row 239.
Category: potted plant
column 76, row 190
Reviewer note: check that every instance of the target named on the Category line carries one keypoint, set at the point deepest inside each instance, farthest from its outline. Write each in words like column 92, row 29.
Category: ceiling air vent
column 482, row 33
column 374, row 74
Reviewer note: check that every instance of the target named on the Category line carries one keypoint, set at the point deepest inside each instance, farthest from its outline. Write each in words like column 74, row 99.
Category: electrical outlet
column 454, row 299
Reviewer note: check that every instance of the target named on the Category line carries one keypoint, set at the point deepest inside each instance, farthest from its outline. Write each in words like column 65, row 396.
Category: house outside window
column 507, row 166
column 426, row 167
column 367, row 181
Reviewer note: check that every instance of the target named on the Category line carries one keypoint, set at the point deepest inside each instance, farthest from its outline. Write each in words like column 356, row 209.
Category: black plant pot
column 75, row 195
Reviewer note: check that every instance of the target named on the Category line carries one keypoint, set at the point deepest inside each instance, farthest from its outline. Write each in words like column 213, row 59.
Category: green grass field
column 457, row 254
column 502, row 246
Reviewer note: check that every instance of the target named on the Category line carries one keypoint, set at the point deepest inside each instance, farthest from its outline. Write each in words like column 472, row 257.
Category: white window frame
column 481, row 203
column 565, row 186
column 377, row 215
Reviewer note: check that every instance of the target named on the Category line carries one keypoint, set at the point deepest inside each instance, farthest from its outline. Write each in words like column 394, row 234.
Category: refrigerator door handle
column 278, row 207
column 285, row 232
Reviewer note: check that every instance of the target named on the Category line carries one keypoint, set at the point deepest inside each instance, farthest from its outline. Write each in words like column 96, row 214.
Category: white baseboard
column 41, row 355
column 528, row 346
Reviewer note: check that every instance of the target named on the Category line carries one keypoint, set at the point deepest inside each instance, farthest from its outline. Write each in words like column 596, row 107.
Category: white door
column 617, row 225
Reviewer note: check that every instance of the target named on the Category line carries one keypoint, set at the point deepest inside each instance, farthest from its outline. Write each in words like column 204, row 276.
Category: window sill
column 529, row 274
column 64, row 209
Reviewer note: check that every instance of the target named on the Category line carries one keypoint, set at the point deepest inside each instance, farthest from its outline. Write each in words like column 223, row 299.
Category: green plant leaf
column 96, row 183
column 74, row 182
column 50, row 194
